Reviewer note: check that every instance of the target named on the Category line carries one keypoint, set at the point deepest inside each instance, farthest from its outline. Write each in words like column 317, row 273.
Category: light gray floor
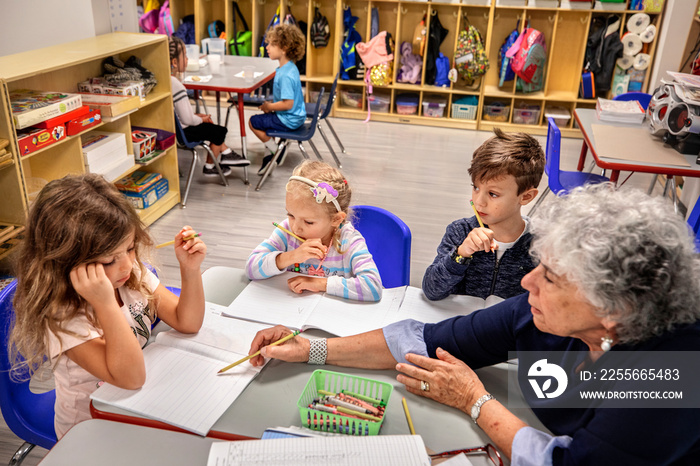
column 417, row 172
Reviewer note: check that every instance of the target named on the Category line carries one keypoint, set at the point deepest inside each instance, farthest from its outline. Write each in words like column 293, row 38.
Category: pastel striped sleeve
column 361, row 281
column 261, row 262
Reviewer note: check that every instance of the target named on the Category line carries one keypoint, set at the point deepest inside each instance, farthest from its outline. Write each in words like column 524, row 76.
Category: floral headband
column 322, row 191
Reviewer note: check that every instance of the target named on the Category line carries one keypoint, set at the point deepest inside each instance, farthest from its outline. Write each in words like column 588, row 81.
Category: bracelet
column 318, row 351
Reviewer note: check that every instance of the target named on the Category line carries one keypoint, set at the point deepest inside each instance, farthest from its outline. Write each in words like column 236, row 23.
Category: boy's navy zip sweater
column 483, row 275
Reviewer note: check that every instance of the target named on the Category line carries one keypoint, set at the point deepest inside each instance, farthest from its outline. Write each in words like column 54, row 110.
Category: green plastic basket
column 337, row 382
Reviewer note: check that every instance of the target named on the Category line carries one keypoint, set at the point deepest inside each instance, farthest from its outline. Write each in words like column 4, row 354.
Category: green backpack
column 470, row 58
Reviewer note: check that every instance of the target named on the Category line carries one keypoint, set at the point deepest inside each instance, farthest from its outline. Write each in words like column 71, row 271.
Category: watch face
column 475, row 412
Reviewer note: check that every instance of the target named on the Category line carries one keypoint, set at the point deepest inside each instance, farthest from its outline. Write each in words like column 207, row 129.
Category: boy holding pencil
column 488, row 254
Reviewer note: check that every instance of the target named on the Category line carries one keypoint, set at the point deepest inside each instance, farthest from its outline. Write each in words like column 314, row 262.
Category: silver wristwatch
column 476, row 409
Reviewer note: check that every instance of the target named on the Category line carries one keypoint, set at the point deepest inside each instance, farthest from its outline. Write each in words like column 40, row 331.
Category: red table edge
column 138, row 421
column 666, row 171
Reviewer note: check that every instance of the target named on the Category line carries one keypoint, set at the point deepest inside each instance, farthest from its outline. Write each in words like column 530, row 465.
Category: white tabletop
column 227, row 81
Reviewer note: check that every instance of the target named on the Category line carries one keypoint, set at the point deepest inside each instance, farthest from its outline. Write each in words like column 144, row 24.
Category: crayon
column 368, row 399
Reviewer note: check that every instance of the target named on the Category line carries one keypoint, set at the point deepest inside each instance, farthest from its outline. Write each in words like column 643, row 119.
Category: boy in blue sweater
column 287, row 44
column 476, row 261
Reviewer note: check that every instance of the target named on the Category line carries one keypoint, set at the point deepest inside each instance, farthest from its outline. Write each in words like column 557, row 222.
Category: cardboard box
column 61, row 119
column 33, row 139
column 32, row 107
column 138, row 181
column 150, row 196
column 83, row 122
column 144, row 143
column 111, row 105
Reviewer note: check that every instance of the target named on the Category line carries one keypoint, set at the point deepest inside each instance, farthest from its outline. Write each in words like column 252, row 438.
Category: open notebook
column 272, row 302
column 182, row 386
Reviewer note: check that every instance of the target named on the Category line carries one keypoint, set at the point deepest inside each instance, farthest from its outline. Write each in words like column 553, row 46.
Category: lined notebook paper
column 380, row 450
column 182, row 386
column 272, row 302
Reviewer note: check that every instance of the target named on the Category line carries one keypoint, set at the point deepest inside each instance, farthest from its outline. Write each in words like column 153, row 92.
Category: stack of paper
column 106, row 153
column 620, row 111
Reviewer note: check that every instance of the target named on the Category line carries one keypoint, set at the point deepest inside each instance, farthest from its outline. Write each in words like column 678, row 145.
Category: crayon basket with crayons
column 343, row 403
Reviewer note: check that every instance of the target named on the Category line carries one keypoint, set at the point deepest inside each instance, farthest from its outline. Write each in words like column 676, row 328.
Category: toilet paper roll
column 648, row 35
column 632, row 44
column 638, row 23
column 641, row 61
column 625, row 62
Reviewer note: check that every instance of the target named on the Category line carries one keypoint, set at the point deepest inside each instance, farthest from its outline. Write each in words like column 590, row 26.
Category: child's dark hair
column 515, row 154
column 176, row 48
column 74, row 220
column 290, row 39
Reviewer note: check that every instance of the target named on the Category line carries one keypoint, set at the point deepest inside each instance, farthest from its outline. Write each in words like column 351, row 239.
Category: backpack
column 350, row 60
column 374, row 23
column 442, row 70
column 290, row 19
column 186, row 30
column 470, row 58
column 378, row 56
column 320, row 30
column 411, row 65
column 241, row 44
column 216, row 29
column 436, row 35
column 149, row 21
column 528, row 59
column 165, row 21
column 275, row 21
column 505, row 73
column 420, row 34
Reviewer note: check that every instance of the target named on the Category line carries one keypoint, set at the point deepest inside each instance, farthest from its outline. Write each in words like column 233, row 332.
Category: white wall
column 674, row 33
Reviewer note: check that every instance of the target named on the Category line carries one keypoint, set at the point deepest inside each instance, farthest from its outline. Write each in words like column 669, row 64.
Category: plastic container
column 434, row 107
column 350, row 98
column 192, row 57
column 336, row 382
column 496, row 111
column 465, row 108
column 379, row 103
column 407, row 104
column 561, row 115
column 313, row 97
column 526, row 114
column 211, row 46
column 164, row 139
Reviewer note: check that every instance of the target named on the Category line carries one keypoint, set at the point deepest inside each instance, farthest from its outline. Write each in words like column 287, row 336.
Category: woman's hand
column 451, row 382
column 479, row 239
column 91, row 283
column 190, row 253
column 300, row 283
column 294, row 350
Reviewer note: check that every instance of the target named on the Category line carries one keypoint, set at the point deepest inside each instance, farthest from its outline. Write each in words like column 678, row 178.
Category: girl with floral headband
column 318, row 240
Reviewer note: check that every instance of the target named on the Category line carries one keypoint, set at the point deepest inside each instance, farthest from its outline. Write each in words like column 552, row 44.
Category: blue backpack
column 442, row 69
column 505, row 72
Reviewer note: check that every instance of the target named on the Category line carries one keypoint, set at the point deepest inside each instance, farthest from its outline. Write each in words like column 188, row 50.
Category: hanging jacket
column 436, row 35
column 348, row 55
column 603, row 49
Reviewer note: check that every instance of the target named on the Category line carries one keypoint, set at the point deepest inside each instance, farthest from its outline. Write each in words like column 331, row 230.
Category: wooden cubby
column 60, row 68
column 565, row 30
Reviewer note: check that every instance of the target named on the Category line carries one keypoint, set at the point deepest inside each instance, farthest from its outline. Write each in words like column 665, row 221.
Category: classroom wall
column 674, row 33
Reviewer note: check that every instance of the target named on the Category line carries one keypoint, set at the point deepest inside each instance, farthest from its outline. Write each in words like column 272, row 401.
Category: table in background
column 271, row 398
column 227, row 81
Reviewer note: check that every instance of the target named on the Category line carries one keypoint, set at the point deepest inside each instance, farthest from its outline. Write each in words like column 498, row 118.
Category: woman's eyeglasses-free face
column 487, row 449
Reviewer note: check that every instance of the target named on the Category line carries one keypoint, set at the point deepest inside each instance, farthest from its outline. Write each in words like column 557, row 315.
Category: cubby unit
column 60, row 68
column 565, row 30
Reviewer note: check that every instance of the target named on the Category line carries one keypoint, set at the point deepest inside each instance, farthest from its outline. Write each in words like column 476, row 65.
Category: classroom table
column 270, row 399
column 227, row 81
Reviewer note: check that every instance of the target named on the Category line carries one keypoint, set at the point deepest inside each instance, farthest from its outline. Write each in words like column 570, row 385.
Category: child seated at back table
column 86, row 301
column 318, row 239
column 476, row 261
column 287, row 44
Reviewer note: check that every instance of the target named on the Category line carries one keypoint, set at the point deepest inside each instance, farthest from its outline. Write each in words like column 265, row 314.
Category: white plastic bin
column 379, row 103
column 434, row 107
column 561, row 115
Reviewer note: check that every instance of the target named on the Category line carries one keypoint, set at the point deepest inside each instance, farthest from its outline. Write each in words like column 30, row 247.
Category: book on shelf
column 620, row 111
column 183, row 387
column 272, row 302
column 138, row 181
column 30, row 107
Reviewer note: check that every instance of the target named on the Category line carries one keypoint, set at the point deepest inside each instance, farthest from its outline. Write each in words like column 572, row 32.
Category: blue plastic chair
column 642, row 97
column 389, row 240
column 694, row 222
column 560, row 181
column 304, row 133
column 325, row 111
column 29, row 415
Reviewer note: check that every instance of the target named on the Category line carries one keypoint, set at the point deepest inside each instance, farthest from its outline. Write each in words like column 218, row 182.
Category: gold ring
column 425, row 386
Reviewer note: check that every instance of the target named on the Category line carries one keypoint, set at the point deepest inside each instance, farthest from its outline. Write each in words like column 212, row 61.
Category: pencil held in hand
column 288, row 232
column 169, row 243
column 278, row 342
column 481, row 224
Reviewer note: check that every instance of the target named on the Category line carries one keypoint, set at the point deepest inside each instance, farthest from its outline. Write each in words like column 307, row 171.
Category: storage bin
column 313, row 97
column 434, row 107
column 526, row 114
column 164, row 139
column 337, row 383
column 351, row 98
column 379, row 103
column 496, row 111
column 407, row 104
column 465, row 108
column 561, row 115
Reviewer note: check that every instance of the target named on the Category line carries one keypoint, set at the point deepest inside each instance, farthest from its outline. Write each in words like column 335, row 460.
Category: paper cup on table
column 249, row 73
column 214, row 63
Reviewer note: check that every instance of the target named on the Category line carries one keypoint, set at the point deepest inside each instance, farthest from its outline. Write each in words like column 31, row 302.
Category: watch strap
column 318, row 350
column 476, row 409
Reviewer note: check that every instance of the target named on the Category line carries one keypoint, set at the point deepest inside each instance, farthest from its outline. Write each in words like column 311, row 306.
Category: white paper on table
column 256, row 74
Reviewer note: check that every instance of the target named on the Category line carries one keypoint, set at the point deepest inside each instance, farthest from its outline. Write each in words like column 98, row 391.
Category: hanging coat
column 348, row 56
column 603, row 49
column 436, row 35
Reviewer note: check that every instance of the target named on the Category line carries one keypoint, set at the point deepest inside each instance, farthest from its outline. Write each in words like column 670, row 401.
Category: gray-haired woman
column 617, row 274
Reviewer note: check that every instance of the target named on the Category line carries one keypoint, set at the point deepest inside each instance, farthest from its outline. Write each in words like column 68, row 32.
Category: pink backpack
column 165, row 21
column 530, row 42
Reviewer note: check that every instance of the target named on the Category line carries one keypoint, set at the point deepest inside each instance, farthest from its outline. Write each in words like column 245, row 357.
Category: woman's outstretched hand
column 294, row 350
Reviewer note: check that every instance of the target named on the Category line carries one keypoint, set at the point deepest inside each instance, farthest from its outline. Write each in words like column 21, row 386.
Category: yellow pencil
column 408, row 416
column 288, row 232
column 481, row 224
column 278, row 342
column 162, row 245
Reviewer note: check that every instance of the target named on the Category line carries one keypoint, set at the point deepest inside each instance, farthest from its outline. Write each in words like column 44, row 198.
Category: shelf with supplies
column 565, row 31
column 59, row 69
